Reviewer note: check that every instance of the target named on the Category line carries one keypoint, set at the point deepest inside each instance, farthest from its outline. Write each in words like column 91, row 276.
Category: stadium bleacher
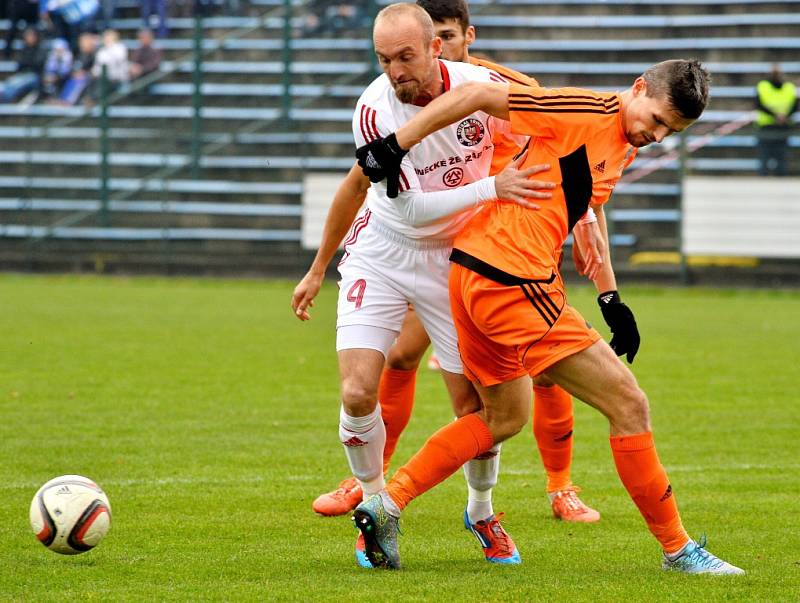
column 255, row 155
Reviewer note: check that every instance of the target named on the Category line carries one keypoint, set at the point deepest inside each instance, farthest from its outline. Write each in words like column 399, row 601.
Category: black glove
column 381, row 159
column 625, row 336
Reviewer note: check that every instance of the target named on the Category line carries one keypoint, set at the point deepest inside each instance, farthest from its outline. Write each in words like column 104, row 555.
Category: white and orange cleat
column 568, row 507
column 341, row 501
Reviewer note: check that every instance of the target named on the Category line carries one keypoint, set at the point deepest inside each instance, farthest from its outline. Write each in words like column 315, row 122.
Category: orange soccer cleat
column 498, row 547
column 568, row 507
column 341, row 501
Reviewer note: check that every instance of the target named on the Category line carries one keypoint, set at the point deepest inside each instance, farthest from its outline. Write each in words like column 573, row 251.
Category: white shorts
column 382, row 272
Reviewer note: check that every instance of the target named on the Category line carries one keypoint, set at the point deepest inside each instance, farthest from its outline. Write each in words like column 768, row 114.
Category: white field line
column 669, row 468
column 260, row 479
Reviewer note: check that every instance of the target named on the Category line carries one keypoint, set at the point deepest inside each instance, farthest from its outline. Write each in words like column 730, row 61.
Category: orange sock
column 552, row 427
column 440, row 457
column 396, row 394
column 646, row 481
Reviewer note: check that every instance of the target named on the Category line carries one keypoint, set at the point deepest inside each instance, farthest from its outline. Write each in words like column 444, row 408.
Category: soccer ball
column 70, row 514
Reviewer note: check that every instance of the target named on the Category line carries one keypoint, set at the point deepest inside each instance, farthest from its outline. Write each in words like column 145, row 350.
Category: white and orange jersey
column 450, row 159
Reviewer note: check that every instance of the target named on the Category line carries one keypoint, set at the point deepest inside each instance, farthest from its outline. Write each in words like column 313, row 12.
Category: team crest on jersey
column 470, row 132
column 453, row 177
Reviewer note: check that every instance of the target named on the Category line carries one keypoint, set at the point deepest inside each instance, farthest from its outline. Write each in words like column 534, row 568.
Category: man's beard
column 407, row 92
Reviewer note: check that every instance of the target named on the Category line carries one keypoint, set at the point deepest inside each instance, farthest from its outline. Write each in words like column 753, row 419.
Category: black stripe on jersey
column 521, row 103
column 537, row 305
column 470, row 262
column 576, row 104
column 516, row 101
column 544, row 97
column 540, row 110
column 523, row 150
column 576, row 181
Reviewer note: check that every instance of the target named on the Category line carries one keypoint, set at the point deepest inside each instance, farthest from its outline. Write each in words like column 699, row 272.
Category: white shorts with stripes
column 382, row 272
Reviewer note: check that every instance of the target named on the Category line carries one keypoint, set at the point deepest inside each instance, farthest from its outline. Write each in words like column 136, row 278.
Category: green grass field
column 209, row 415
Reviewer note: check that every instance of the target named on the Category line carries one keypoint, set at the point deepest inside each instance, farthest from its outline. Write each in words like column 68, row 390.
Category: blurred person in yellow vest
column 776, row 101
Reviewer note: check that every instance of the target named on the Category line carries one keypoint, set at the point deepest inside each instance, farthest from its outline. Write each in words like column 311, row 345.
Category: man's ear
column 469, row 36
column 639, row 86
column 436, row 47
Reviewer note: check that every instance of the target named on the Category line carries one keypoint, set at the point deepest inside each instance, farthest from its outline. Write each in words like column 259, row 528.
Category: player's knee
column 466, row 403
column 503, row 428
column 357, row 399
column 633, row 412
column 404, row 359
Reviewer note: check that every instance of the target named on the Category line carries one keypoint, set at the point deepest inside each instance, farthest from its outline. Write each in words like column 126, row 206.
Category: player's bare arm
column 604, row 278
column 618, row 316
column 347, row 201
column 451, row 106
column 587, row 248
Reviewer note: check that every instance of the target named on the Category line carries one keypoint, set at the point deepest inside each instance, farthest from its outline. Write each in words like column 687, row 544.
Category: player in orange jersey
column 508, row 299
column 553, row 417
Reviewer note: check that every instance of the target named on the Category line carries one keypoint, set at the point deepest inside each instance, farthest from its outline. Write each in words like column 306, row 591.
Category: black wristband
column 608, row 298
column 392, row 144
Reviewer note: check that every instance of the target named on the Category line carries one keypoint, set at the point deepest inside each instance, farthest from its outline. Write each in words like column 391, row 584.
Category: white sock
column 679, row 552
column 363, row 439
column 481, row 477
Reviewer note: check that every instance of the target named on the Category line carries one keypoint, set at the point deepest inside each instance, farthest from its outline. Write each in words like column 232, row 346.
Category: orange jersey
column 505, row 149
column 579, row 134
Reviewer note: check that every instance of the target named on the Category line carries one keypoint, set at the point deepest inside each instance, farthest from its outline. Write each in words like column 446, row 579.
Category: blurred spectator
column 70, row 18
column 154, row 16
column 334, row 17
column 81, row 75
column 57, row 67
column 18, row 11
column 30, row 64
column 114, row 56
column 776, row 101
column 145, row 58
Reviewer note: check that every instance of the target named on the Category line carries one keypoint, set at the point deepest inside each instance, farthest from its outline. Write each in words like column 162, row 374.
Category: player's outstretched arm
column 452, row 106
column 346, row 202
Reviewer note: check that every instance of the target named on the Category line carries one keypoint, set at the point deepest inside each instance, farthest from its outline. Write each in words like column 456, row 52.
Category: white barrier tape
column 659, row 162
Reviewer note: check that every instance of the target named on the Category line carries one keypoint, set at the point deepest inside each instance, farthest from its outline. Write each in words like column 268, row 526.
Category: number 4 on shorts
column 356, row 293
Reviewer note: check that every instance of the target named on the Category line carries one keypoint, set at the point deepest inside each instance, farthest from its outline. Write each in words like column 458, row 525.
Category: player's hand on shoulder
column 381, row 159
column 514, row 184
column 619, row 317
column 304, row 294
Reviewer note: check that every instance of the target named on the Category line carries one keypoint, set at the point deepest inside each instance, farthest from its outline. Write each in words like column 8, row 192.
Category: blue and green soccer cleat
column 380, row 530
column 695, row 559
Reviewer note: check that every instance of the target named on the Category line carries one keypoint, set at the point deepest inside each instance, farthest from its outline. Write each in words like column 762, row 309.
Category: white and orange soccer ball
column 70, row 514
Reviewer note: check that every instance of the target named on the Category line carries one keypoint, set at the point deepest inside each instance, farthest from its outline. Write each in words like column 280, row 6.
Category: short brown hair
column 683, row 82
column 440, row 10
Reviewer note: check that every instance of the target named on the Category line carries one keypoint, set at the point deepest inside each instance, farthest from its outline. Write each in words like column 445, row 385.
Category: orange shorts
column 505, row 331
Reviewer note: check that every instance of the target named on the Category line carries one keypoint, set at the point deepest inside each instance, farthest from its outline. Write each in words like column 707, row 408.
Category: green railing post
column 104, row 149
column 286, row 101
column 682, row 165
column 197, row 97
